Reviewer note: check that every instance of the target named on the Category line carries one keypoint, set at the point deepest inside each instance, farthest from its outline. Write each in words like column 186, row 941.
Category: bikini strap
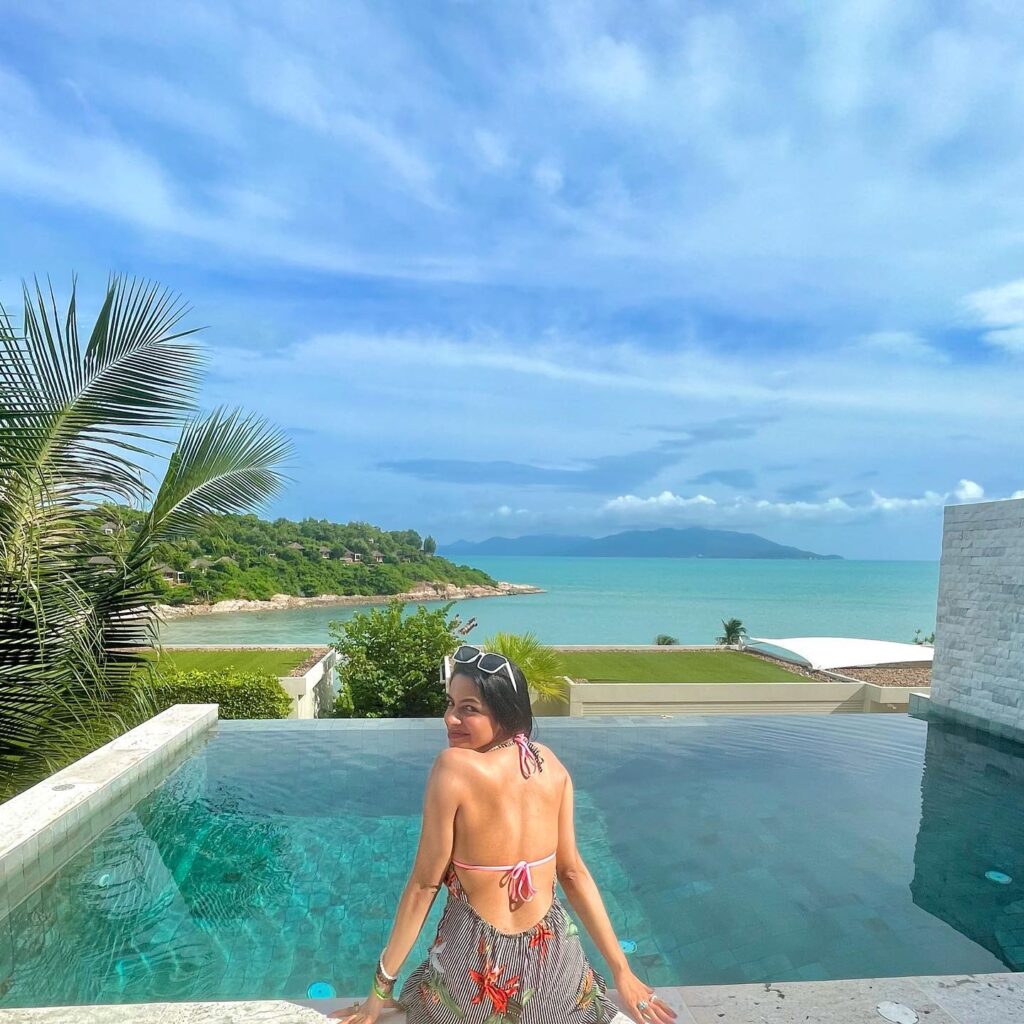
column 529, row 760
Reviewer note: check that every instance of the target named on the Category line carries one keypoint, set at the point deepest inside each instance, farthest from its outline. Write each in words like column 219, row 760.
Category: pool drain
column 627, row 945
column 898, row 1013
column 321, row 990
column 999, row 877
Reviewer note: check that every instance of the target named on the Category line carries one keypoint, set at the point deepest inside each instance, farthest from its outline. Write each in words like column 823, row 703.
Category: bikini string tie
column 528, row 763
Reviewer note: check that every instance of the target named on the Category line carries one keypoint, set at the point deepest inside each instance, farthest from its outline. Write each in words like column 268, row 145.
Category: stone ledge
column 42, row 828
column 943, row 999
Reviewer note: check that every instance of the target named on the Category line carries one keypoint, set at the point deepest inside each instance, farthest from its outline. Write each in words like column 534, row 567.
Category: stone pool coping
column 44, row 827
column 941, row 999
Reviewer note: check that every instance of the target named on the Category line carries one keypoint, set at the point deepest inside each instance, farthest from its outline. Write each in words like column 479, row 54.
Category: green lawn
column 676, row 667
column 274, row 662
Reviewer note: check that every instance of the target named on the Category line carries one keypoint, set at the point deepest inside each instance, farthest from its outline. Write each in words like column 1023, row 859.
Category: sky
column 527, row 267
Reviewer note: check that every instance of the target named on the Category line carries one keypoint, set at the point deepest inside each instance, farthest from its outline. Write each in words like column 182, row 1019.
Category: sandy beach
column 283, row 602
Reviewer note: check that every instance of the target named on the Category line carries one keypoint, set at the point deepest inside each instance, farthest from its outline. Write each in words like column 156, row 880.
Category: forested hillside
column 251, row 558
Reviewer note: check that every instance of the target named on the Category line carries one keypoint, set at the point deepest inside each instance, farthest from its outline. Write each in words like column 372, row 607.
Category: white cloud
column 1009, row 338
column 968, row 490
column 756, row 384
column 1017, row 494
column 1000, row 306
column 1002, row 309
column 630, row 504
column 827, row 509
column 668, row 506
column 930, row 499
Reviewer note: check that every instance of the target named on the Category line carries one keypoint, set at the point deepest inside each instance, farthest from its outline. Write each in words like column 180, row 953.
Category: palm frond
column 542, row 665
column 76, row 615
column 225, row 462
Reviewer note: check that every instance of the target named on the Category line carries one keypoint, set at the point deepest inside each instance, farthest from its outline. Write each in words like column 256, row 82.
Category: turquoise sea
column 630, row 600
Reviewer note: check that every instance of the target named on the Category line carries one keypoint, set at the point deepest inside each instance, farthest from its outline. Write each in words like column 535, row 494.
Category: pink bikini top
column 520, row 881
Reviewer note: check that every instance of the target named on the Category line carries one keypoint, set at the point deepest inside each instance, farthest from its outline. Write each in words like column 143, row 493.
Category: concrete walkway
column 953, row 999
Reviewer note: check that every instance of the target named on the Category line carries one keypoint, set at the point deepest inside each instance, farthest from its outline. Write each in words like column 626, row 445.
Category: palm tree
column 80, row 425
column 733, row 632
column 542, row 665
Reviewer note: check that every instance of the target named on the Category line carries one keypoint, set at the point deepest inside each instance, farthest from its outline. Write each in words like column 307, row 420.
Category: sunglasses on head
column 485, row 661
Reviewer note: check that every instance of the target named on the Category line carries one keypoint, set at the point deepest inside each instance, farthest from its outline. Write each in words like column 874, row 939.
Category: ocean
column 631, row 600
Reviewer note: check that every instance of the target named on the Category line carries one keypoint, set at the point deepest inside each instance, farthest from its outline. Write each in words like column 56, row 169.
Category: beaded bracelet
column 383, row 983
column 383, row 970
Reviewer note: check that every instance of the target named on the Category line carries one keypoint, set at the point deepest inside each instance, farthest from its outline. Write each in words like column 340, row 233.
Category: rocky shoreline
column 282, row 602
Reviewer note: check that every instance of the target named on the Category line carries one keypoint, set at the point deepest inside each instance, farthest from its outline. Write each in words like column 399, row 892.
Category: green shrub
column 239, row 694
column 665, row 640
column 391, row 662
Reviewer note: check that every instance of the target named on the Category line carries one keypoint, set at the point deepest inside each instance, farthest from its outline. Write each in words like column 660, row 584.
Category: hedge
column 239, row 694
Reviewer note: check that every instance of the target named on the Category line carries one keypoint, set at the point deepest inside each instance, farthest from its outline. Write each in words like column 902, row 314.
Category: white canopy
column 827, row 652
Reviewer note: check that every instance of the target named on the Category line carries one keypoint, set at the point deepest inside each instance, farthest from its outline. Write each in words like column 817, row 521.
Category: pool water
column 727, row 850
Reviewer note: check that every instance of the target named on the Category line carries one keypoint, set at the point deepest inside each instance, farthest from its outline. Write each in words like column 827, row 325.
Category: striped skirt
column 476, row 974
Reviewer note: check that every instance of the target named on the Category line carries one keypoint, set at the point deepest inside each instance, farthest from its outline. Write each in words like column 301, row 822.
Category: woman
column 497, row 832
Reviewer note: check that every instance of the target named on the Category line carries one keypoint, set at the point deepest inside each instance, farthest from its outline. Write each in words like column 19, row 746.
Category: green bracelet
column 379, row 993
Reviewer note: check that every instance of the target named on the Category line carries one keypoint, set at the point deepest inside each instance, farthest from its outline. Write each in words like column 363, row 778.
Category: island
column 690, row 542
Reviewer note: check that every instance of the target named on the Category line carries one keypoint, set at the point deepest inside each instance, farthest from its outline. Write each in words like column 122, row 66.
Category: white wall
column 978, row 672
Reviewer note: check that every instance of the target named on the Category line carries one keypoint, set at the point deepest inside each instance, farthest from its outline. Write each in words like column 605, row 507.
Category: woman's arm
column 432, row 858
column 580, row 889
column 581, row 892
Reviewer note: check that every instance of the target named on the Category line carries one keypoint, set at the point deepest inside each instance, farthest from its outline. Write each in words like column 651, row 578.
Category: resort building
column 170, row 575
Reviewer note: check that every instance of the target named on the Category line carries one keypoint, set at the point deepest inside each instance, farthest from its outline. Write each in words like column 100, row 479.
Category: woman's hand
column 365, row 1012
column 632, row 992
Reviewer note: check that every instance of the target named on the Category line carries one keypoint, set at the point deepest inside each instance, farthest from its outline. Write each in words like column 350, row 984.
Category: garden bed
column 919, row 674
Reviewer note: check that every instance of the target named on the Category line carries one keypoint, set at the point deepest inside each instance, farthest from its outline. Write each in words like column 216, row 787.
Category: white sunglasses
column 485, row 661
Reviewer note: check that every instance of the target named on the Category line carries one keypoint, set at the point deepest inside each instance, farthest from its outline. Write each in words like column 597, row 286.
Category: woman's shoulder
column 454, row 758
column 550, row 758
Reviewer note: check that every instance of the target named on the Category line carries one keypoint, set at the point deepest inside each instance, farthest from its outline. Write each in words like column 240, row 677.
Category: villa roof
column 828, row 652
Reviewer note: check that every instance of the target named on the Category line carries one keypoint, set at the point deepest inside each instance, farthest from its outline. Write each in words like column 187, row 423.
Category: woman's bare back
column 504, row 818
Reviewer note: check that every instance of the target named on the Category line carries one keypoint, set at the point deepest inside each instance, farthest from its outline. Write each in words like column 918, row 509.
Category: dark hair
column 511, row 708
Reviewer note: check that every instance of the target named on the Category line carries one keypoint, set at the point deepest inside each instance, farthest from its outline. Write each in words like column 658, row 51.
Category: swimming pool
column 728, row 849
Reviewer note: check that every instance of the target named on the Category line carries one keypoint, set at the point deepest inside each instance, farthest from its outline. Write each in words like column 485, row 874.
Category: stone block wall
column 978, row 673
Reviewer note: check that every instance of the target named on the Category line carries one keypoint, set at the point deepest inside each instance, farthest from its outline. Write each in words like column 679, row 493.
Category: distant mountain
column 691, row 542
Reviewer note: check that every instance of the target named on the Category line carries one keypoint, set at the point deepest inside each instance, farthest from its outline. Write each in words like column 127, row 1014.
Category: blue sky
column 556, row 267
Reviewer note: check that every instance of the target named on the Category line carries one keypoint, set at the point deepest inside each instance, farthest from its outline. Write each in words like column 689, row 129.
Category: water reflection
column 972, row 822
column 149, row 910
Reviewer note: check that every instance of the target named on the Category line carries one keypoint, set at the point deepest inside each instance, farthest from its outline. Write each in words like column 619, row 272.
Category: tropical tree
column 664, row 640
column 82, row 427
column 542, row 665
column 733, row 632
column 391, row 662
